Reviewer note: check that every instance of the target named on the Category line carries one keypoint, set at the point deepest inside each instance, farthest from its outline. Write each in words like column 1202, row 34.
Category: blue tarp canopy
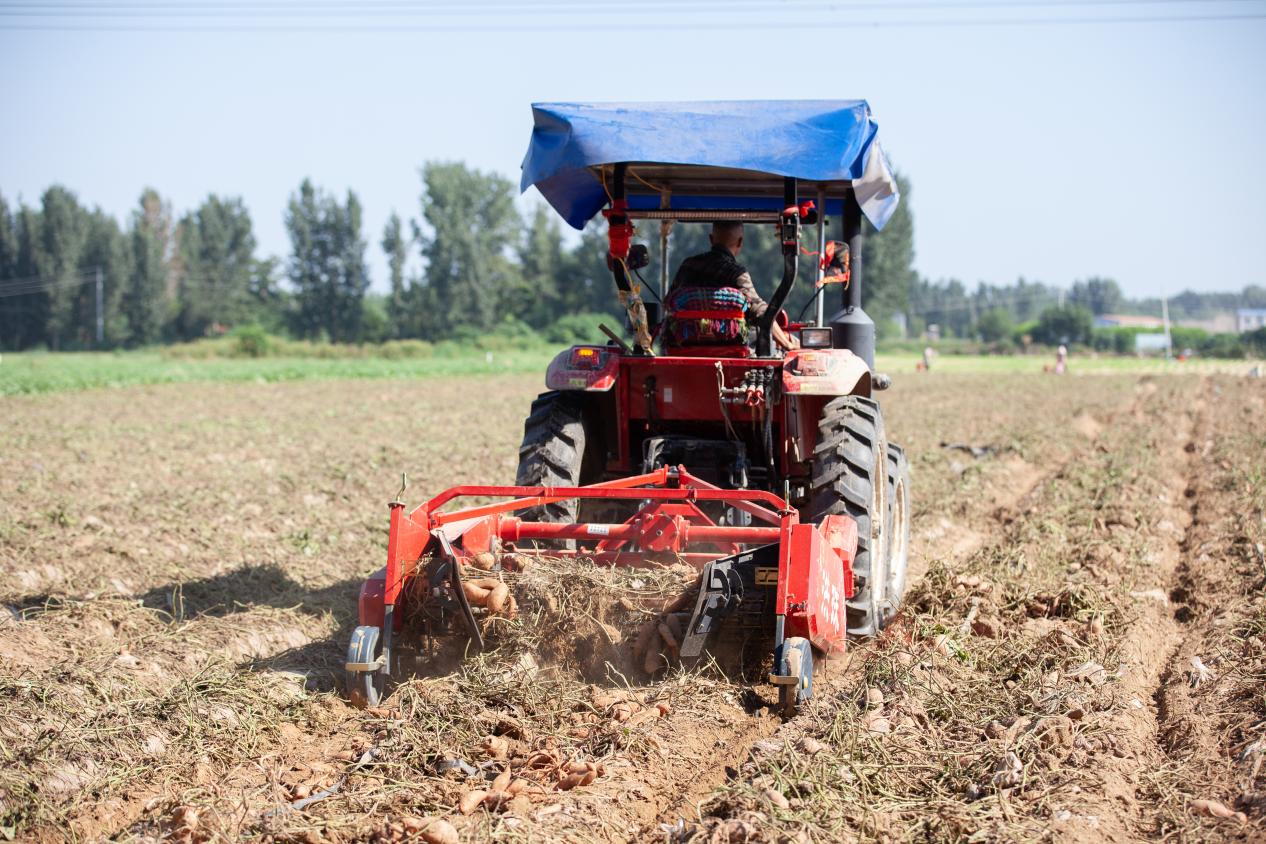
column 713, row 155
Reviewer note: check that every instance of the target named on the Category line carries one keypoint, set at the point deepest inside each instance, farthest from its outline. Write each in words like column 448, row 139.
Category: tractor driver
column 718, row 267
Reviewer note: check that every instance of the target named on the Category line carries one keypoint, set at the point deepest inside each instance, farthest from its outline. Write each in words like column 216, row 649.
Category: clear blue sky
column 1130, row 150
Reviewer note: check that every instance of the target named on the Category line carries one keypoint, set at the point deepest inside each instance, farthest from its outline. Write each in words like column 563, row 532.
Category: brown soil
column 180, row 566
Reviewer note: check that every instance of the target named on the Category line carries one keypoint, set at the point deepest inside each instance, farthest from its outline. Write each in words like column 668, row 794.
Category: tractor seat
column 705, row 316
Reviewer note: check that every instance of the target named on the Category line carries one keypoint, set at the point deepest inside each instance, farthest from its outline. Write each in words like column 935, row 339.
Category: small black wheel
column 365, row 685
column 795, row 659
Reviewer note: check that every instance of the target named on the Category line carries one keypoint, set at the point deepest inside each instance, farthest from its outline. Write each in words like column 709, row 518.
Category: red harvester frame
column 815, row 575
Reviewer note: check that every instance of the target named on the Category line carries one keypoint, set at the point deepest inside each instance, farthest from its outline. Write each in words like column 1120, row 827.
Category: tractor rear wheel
column 850, row 477
column 553, row 452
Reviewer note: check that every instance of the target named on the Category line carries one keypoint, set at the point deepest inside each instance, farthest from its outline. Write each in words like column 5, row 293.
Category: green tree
column 27, row 321
column 995, row 325
column 144, row 295
column 1067, row 324
column 585, row 284
column 8, row 242
column 215, row 268
column 469, row 229
column 13, row 311
column 542, row 260
column 107, row 247
column 327, row 263
column 396, row 248
column 271, row 304
column 1097, row 295
column 59, row 246
column 375, row 326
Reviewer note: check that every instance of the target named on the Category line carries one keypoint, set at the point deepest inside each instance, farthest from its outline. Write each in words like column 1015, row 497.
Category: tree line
column 1009, row 316
column 485, row 267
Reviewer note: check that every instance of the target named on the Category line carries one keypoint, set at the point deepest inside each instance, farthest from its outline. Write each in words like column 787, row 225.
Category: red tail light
column 584, row 358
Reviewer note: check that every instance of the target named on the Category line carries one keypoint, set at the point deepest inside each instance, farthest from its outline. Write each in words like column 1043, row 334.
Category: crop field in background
column 29, row 373
column 1081, row 657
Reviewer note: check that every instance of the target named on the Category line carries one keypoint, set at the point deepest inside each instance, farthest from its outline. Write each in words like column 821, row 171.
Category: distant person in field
column 1061, row 359
column 928, row 354
column 719, row 267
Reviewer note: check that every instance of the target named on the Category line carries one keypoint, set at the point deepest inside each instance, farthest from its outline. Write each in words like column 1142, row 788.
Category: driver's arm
column 756, row 307
column 755, row 304
column 782, row 338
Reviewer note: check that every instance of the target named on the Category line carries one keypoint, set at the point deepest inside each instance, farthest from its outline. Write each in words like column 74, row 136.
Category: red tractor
column 770, row 470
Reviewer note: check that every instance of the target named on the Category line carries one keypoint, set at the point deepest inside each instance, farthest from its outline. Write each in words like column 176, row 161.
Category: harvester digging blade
column 455, row 581
column 723, row 584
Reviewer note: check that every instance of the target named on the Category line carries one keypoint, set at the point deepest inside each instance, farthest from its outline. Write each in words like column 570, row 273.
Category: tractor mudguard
column 815, row 580
column 825, row 372
column 372, row 594
column 590, row 369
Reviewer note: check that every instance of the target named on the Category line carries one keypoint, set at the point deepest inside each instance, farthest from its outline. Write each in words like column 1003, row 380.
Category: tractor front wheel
column 850, row 477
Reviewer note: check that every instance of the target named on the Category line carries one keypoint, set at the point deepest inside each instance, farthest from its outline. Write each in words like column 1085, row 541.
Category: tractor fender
column 591, row 369
column 825, row 372
column 370, row 605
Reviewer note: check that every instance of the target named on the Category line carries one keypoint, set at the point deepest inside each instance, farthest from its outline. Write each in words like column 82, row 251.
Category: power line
column 408, row 6
column 1011, row 301
column 641, row 25
column 30, row 287
column 34, row 278
column 341, row 8
column 36, row 285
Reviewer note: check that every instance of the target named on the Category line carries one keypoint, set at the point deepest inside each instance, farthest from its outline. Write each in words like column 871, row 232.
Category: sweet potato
column 476, row 594
column 432, row 830
column 623, row 711
column 670, row 641
column 497, row 598
column 471, row 801
column 540, row 760
column 643, row 640
column 654, row 659
column 496, row 747
column 570, row 781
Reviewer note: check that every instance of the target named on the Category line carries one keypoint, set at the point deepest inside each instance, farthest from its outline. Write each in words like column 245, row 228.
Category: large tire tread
column 848, row 459
column 553, row 451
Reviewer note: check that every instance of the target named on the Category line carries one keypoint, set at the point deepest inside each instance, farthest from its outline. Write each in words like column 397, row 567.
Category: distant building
column 1221, row 323
column 1249, row 319
column 1127, row 321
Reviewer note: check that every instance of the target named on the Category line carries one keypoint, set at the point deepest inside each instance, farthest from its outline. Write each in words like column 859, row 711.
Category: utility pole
column 100, row 313
column 1169, row 341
